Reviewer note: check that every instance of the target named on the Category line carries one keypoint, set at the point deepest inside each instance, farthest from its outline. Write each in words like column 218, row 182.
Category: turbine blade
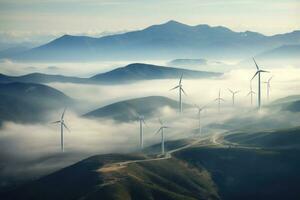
column 222, row 99
column 158, row 130
column 63, row 114
column 254, row 75
column 66, row 127
column 230, row 90
column 174, row 87
column 56, row 122
column 180, row 78
column 270, row 79
column 183, row 91
column 256, row 64
column 264, row 71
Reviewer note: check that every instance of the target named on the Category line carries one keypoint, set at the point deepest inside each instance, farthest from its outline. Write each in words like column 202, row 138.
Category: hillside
column 140, row 71
column 29, row 102
column 130, row 109
column 127, row 74
column 152, row 180
column 164, row 41
column 285, row 138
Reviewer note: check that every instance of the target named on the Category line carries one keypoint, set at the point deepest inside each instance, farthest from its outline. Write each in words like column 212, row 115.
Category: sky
column 40, row 20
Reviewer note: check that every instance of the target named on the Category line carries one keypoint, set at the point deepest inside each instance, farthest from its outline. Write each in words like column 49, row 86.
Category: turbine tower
column 219, row 99
column 142, row 122
column 179, row 86
column 62, row 126
column 200, row 109
column 259, row 88
column 268, row 87
column 161, row 130
column 251, row 92
column 233, row 95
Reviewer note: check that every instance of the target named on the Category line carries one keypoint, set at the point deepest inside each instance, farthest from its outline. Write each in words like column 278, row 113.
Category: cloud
column 34, row 150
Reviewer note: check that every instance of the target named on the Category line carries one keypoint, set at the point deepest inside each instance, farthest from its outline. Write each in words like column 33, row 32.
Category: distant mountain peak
column 173, row 22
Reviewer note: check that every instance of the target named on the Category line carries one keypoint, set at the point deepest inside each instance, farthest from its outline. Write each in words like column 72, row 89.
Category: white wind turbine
column 179, row 86
column 233, row 95
column 219, row 99
column 259, row 88
column 62, row 126
column 251, row 93
column 268, row 87
column 161, row 130
column 200, row 109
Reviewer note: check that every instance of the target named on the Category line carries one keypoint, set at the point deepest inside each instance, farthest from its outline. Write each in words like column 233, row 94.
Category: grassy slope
column 166, row 179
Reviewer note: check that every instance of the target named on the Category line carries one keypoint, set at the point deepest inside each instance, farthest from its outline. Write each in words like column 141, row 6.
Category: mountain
column 29, row 102
column 129, row 73
column 164, row 41
column 5, row 53
column 140, row 71
column 240, row 165
column 282, row 52
column 130, row 109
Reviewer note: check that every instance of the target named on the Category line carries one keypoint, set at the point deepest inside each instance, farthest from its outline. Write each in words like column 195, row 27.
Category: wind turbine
column 161, row 130
column 142, row 121
column 268, row 87
column 62, row 126
column 259, row 88
column 219, row 99
column 251, row 92
column 233, row 95
column 179, row 86
column 200, row 109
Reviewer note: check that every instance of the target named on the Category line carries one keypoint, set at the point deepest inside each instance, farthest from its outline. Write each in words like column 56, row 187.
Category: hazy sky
column 27, row 18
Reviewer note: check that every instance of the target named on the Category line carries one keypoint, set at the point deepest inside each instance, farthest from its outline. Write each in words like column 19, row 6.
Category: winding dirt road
column 168, row 155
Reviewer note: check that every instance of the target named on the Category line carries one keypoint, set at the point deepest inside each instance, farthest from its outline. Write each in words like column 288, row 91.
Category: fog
column 31, row 150
column 285, row 82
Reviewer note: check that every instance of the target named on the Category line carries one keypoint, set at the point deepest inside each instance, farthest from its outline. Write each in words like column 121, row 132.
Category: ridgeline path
column 168, row 155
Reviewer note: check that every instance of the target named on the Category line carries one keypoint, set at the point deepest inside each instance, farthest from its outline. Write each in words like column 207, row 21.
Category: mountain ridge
column 128, row 73
column 168, row 40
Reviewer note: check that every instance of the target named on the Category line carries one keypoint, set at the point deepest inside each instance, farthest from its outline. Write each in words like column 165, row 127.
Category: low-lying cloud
column 29, row 150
